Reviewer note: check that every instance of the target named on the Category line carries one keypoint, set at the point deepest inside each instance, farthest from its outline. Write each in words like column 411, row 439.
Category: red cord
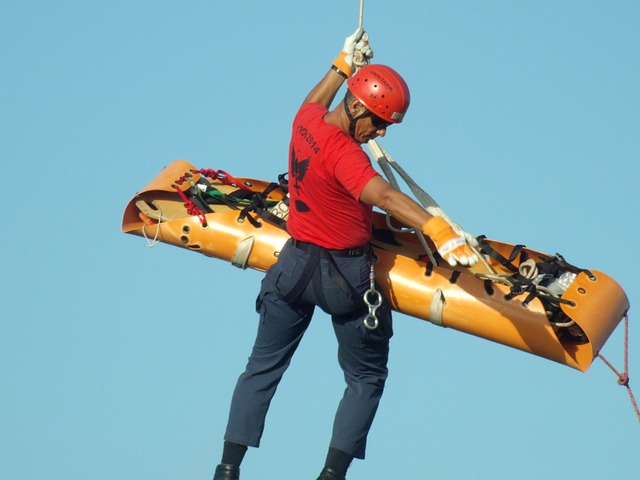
column 623, row 378
column 192, row 208
column 223, row 176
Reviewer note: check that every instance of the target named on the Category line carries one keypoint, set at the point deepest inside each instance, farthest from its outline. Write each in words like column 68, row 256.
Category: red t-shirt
column 327, row 172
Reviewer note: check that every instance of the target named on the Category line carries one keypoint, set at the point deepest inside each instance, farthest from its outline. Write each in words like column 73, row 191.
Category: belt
column 347, row 252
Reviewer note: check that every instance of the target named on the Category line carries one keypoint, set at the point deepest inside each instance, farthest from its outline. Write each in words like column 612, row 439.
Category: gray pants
column 362, row 353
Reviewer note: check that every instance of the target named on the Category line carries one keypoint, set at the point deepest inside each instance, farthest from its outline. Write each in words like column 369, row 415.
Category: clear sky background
column 118, row 361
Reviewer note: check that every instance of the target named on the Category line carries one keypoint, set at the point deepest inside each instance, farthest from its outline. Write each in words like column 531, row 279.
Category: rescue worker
column 326, row 263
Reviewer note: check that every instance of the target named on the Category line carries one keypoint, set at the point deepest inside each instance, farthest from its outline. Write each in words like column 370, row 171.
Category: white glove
column 363, row 54
column 450, row 244
column 357, row 42
column 438, row 212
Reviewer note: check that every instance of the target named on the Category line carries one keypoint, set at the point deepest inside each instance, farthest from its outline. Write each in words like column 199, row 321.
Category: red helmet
column 382, row 90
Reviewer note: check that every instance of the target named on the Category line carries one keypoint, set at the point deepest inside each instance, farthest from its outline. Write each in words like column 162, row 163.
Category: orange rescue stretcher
column 515, row 296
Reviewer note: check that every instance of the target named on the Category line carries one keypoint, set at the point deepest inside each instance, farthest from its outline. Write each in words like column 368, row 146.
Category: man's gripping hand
column 452, row 246
column 438, row 212
column 356, row 45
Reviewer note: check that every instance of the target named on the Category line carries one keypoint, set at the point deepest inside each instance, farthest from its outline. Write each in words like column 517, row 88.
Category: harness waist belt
column 348, row 252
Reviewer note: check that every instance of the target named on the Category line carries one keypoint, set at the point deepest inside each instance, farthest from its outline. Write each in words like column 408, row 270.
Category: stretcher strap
column 260, row 207
column 240, row 257
column 520, row 284
column 506, row 262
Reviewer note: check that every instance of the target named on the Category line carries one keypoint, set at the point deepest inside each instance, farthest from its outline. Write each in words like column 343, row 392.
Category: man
column 333, row 187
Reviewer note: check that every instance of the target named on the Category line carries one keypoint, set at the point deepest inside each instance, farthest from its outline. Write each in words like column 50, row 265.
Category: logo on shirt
column 298, row 171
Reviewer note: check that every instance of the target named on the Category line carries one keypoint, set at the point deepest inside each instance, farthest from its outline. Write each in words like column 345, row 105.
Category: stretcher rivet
column 582, row 291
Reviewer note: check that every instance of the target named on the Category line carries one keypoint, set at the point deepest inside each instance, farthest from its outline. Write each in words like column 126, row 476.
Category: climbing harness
column 308, row 276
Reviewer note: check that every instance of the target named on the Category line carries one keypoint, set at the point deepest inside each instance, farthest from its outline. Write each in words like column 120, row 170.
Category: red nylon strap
column 223, row 176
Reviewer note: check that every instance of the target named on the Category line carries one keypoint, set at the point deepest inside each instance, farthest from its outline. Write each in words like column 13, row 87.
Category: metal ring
column 375, row 294
column 371, row 322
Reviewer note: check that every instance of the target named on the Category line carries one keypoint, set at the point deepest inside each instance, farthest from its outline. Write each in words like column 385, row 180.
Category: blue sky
column 118, row 361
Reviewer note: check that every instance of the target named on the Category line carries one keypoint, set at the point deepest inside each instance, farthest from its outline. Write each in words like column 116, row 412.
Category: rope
column 155, row 241
column 623, row 378
column 223, row 176
column 359, row 59
column 384, row 161
column 192, row 208
column 431, row 206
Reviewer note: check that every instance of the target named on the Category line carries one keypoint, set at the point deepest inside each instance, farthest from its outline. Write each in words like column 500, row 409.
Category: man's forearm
column 325, row 91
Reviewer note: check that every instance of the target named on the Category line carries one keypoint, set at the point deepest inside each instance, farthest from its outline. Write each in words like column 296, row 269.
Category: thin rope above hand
column 359, row 58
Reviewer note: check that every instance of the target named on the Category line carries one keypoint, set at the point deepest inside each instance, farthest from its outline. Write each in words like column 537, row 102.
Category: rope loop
column 152, row 242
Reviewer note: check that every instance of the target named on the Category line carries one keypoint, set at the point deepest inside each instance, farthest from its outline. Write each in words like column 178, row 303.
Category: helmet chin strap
column 352, row 121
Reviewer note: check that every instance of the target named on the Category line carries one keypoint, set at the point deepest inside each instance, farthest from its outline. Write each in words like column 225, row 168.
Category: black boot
column 329, row 474
column 227, row 472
